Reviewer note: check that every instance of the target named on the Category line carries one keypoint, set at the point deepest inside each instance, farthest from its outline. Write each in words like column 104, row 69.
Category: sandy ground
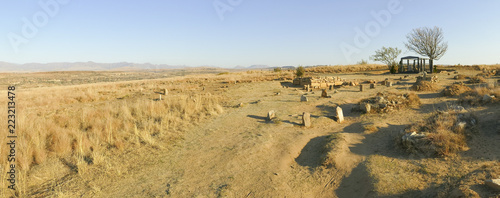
column 239, row 154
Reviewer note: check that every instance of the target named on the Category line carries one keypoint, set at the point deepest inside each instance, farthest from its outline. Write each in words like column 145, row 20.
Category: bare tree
column 388, row 56
column 427, row 42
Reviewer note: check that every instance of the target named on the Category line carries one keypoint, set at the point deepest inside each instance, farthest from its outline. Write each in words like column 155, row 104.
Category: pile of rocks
column 387, row 102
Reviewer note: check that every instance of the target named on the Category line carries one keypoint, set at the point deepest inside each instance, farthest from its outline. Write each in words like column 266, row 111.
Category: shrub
column 277, row 69
column 300, row 71
column 456, row 90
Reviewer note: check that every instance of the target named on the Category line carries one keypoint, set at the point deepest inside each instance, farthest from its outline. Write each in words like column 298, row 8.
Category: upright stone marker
column 361, row 88
column 165, row 91
column 340, row 115
column 372, row 86
column 306, row 119
column 324, row 94
column 303, row 98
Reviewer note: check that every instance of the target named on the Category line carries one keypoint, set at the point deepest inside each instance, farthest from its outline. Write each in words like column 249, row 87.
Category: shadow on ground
column 310, row 156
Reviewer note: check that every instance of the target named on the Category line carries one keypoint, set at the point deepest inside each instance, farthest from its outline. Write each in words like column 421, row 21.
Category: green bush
column 300, row 71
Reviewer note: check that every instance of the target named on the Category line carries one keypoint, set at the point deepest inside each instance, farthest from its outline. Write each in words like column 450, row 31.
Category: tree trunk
column 431, row 65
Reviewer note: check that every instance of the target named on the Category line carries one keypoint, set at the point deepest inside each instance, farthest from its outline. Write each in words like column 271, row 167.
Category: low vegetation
column 389, row 101
column 345, row 68
column 480, row 96
column 442, row 134
column 423, row 85
column 456, row 90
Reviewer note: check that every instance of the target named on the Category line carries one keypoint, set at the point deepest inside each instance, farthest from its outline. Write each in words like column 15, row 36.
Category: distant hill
column 80, row 66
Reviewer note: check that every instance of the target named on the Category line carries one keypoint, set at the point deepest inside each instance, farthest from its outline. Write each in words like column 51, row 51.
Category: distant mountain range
column 80, row 66
column 93, row 66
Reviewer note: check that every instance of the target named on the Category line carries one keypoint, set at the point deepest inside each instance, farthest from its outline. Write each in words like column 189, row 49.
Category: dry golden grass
column 456, row 90
column 476, row 96
column 460, row 77
column 83, row 123
column 345, row 68
column 423, row 85
column 477, row 79
column 443, row 134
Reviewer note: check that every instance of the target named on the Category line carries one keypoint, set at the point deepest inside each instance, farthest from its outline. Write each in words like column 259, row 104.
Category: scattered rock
column 331, row 87
column 487, row 98
column 324, row 94
column 372, row 86
column 271, row 115
column 493, row 183
column 340, row 115
column 306, row 119
column 303, row 98
column 388, row 84
column 361, row 88
column 366, row 107
column 463, row 191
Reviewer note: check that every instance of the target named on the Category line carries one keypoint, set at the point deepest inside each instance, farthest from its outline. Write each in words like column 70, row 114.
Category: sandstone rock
column 388, row 84
column 487, row 98
column 165, row 92
column 340, row 115
column 303, row 98
column 493, row 183
column 306, row 119
column 366, row 107
column 372, row 86
column 324, row 94
column 331, row 87
column 271, row 115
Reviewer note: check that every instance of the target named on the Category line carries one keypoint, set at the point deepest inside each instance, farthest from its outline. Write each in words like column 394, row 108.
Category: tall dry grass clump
column 480, row 96
column 442, row 134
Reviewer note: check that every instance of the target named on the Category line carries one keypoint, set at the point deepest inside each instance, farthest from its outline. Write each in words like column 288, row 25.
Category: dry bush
column 442, row 134
column 345, row 68
column 480, row 96
column 423, row 85
column 477, row 79
column 456, row 90
column 460, row 77
column 387, row 102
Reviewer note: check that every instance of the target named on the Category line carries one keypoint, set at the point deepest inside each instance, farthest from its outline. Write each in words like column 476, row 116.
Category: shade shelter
column 414, row 64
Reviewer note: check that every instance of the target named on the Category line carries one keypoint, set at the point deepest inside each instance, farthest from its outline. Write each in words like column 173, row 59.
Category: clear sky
column 240, row 32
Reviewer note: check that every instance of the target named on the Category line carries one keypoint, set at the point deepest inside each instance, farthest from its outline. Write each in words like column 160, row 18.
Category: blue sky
column 241, row 33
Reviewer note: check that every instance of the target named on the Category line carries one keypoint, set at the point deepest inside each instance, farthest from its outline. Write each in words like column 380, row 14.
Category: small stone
column 361, row 88
column 366, row 107
column 372, row 86
column 331, row 87
column 388, row 84
column 165, row 92
column 306, row 119
column 340, row 115
column 271, row 115
column 303, row 98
